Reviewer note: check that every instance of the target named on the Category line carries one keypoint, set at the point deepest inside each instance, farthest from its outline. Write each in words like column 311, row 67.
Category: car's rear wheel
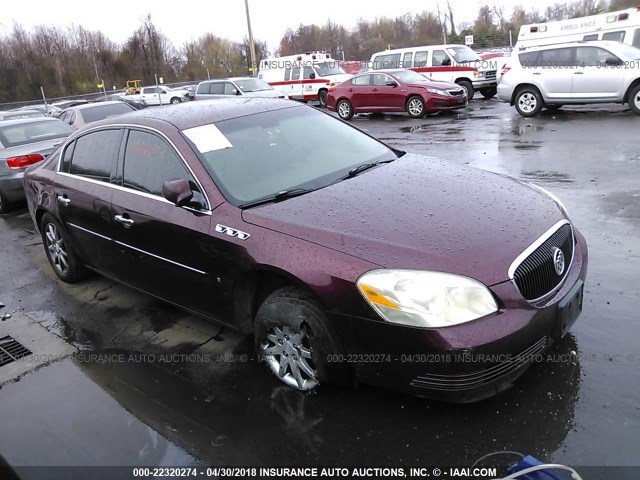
column 489, row 92
column 528, row 102
column 61, row 256
column 634, row 100
column 175, row 100
column 294, row 339
column 556, row 106
column 344, row 109
column 415, row 106
column 468, row 88
column 322, row 98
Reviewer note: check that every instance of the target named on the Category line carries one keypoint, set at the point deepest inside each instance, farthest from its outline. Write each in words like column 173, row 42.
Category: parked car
column 191, row 91
column 575, row 73
column 80, row 115
column 243, row 86
column 69, row 103
column 16, row 114
column 160, row 95
column 48, row 110
column 24, row 142
column 347, row 259
column 396, row 90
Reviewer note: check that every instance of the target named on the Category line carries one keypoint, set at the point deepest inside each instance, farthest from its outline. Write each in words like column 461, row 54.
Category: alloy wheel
column 415, row 107
column 527, row 102
column 57, row 249
column 344, row 110
column 290, row 357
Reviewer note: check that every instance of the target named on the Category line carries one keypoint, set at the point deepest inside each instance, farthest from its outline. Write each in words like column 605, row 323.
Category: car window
column 406, row 60
column 362, row 80
column 614, row 36
column 391, row 60
column 380, row 79
column 270, row 151
column 149, row 161
column 592, row 56
column 203, row 88
column 295, row 73
column 589, row 38
column 636, row 38
column 95, row 153
column 216, row 88
column 528, row 59
column 420, row 59
column 306, row 72
column 287, row 73
column 230, row 88
column 66, row 159
column 150, row 90
column 33, row 132
column 100, row 112
column 440, row 58
column 557, row 57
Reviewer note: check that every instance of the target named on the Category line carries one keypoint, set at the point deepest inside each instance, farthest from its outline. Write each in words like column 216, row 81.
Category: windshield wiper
column 281, row 195
column 355, row 171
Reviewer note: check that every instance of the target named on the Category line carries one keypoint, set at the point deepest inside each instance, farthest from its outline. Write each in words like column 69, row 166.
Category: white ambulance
column 621, row 26
column 445, row 63
column 307, row 76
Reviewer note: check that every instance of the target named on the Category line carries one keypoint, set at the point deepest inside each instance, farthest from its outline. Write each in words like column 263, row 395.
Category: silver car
column 16, row 114
column 574, row 73
column 247, row 86
column 80, row 115
column 24, row 142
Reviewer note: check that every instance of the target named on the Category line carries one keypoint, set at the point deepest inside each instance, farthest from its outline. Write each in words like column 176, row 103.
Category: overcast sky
column 182, row 21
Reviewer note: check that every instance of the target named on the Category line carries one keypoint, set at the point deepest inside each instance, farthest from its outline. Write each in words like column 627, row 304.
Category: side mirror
column 391, row 83
column 177, row 192
column 612, row 61
column 238, row 92
column 312, row 75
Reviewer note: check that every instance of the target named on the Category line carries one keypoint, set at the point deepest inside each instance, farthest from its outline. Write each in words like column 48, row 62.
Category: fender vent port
column 11, row 350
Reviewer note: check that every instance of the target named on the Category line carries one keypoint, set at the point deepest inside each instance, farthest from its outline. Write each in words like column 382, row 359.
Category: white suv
column 574, row 73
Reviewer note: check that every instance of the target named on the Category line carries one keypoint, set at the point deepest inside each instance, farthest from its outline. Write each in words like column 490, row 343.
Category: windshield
column 409, row 76
column 253, row 85
column 100, row 112
column 327, row 69
column 33, row 132
column 463, row 54
column 272, row 151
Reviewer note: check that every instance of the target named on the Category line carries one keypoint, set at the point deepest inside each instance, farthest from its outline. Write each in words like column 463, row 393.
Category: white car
column 160, row 95
column 574, row 73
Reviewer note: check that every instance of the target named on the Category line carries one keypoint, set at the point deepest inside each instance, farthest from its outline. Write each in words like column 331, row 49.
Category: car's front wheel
column 468, row 88
column 634, row 100
column 322, row 98
column 294, row 339
column 61, row 256
column 488, row 92
column 415, row 106
column 528, row 102
column 344, row 109
column 175, row 100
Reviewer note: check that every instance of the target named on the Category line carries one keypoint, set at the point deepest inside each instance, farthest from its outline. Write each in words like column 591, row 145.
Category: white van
column 305, row 77
column 444, row 63
column 621, row 26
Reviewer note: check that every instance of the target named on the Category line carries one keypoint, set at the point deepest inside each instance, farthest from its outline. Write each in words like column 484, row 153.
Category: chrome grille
column 456, row 93
column 490, row 74
column 535, row 275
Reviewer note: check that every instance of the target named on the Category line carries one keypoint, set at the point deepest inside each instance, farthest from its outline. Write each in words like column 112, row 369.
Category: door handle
column 64, row 200
column 127, row 222
column 351, row 89
column 374, row 90
column 537, row 73
column 578, row 73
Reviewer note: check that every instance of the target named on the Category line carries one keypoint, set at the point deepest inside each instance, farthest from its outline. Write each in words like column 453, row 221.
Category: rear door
column 83, row 189
column 295, row 82
column 164, row 249
column 554, row 72
column 361, row 92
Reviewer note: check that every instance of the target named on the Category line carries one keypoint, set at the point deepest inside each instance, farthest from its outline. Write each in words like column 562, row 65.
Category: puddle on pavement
column 622, row 204
column 546, row 177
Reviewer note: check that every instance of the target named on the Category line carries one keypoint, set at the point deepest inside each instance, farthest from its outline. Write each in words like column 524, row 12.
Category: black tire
column 5, row 206
column 53, row 234
column 468, row 88
column 292, row 331
column 553, row 107
column 634, row 99
column 322, row 97
column 528, row 101
column 344, row 109
column 174, row 100
column 488, row 92
column 415, row 106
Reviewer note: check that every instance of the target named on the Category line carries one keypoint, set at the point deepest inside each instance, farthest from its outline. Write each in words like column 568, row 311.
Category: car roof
column 86, row 106
column 203, row 112
column 576, row 43
column 29, row 120
column 227, row 79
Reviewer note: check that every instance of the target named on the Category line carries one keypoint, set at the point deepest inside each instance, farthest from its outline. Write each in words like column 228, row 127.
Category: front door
column 386, row 96
column 594, row 78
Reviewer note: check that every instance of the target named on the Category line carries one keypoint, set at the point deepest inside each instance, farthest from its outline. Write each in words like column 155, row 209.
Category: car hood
column 420, row 213
column 441, row 85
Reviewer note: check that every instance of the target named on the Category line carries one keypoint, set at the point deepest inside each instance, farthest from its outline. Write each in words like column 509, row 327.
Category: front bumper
column 505, row 92
column 483, row 83
column 465, row 363
column 11, row 186
column 437, row 103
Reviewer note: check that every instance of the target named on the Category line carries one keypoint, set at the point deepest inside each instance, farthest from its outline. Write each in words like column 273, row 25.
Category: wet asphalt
column 152, row 385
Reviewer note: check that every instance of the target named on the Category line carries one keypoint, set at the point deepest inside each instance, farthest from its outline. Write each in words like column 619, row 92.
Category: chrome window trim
column 530, row 249
column 141, row 127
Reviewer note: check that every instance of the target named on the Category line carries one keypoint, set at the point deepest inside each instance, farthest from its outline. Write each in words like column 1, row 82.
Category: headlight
column 552, row 197
column 426, row 299
column 437, row 91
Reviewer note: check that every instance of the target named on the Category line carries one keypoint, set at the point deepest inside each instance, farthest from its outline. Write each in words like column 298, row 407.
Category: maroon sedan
column 395, row 90
column 346, row 259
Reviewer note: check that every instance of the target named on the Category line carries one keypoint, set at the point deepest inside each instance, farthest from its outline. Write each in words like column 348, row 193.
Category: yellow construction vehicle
column 132, row 87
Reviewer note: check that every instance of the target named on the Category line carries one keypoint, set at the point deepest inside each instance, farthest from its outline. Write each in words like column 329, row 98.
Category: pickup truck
column 160, row 95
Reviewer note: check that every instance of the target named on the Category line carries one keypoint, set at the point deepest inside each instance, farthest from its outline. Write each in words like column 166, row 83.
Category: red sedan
column 394, row 91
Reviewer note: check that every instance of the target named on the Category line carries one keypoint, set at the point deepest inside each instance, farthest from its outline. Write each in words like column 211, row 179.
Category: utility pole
column 252, row 47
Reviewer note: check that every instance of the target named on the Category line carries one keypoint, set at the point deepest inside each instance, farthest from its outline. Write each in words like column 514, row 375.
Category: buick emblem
column 558, row 261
